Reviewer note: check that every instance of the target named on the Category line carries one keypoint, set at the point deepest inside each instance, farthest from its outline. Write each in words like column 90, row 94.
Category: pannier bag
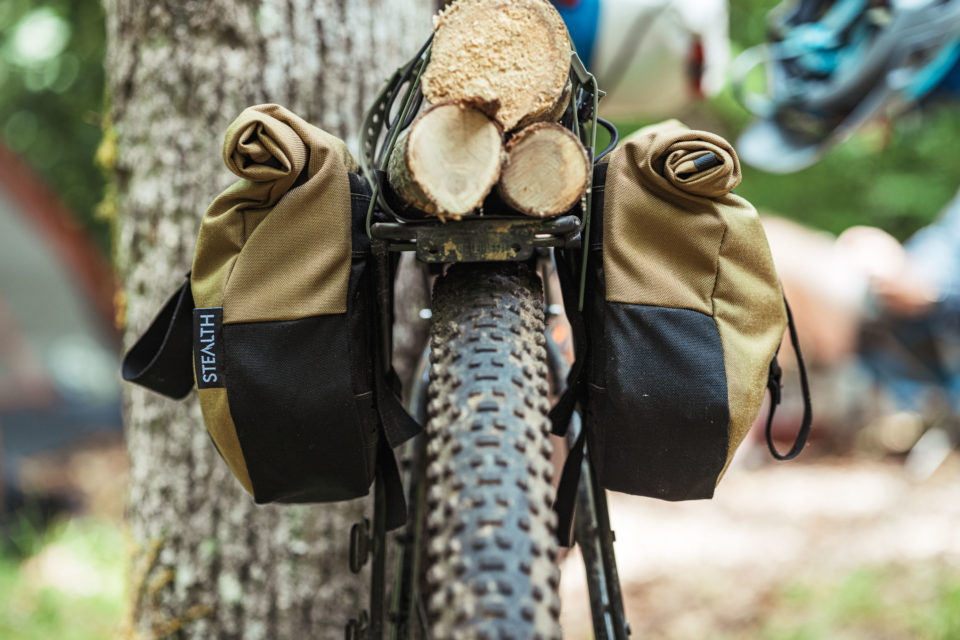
column 279, row 311
column 682, row 318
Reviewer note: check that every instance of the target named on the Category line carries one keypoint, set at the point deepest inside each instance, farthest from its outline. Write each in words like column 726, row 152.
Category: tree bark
column 206, row 561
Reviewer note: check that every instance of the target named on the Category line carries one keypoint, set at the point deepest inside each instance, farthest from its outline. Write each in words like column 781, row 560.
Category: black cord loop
column 774, row 385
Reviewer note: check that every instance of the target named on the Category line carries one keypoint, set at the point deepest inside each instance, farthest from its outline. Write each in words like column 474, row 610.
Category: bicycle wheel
column 491, row 544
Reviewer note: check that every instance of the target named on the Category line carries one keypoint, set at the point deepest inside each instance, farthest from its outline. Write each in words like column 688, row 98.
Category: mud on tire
column 491, row 547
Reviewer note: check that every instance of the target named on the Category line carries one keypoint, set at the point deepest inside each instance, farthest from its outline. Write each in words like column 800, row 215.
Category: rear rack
column 478, row 239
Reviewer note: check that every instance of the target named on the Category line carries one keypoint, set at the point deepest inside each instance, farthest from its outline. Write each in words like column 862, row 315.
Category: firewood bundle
column 497, row 82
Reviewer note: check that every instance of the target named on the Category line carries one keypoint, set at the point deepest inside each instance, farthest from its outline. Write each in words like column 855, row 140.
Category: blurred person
column 911, row 332
column 928, row 278
column 826, row 287
column 876, row 317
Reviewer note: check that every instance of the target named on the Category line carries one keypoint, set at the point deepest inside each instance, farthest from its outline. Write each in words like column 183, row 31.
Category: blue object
column 949, row 86
column 933, row 75
column 935, row 249
column 582, row 18
column 834, row 65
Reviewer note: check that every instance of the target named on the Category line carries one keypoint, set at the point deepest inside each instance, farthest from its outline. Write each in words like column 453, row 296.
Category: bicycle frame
column 499, row 234
column 591, row 531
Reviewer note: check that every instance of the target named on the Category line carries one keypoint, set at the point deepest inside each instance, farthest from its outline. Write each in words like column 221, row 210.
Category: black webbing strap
column 162, row 359
column 774, row 385
column 398, row 425
column 562, row 411
column 569, row 274
column 389, row 474
column 567, row 490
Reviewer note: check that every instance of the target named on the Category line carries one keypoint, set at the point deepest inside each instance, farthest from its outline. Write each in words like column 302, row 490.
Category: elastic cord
column 774, row 385
column 614, row 137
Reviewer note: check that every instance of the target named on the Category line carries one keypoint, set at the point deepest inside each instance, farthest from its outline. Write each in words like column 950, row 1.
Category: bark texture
column 206, row 562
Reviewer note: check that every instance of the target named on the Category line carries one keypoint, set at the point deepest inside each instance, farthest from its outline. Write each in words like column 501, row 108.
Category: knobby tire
column 491, row 567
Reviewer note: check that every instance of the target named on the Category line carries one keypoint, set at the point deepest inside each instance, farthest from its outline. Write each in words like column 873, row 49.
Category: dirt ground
column 817, row 548
column 724, row 568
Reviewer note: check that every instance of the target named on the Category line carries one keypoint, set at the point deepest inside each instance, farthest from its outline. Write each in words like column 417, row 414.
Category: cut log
column 448, row 160
column 515, row 52
column 555, row 112
column 546, row 170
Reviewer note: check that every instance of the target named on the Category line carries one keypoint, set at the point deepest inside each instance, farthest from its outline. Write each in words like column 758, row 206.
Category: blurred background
column 858, row 538
column 62, row 461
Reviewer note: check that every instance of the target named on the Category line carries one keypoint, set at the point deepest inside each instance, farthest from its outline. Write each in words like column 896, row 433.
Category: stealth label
column 208, row 347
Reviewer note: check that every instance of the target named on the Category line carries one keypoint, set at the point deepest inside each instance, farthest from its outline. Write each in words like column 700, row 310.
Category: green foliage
column 897, row 178
column 748, row 20
column 66, row 583
column 921, row 601
column 51, row 71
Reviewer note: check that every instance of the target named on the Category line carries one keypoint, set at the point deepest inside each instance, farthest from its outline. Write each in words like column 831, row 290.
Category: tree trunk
column 207, row 562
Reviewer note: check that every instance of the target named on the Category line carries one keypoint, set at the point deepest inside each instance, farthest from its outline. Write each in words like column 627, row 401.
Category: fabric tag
column 208, row 347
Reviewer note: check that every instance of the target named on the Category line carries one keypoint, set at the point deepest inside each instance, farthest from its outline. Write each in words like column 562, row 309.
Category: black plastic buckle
column 360, row 545
column 774, row 381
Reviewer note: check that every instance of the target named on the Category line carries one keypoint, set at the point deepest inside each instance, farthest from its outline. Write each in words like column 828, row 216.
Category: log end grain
column 516, row 52
column 546, row 170
column 448, row 160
